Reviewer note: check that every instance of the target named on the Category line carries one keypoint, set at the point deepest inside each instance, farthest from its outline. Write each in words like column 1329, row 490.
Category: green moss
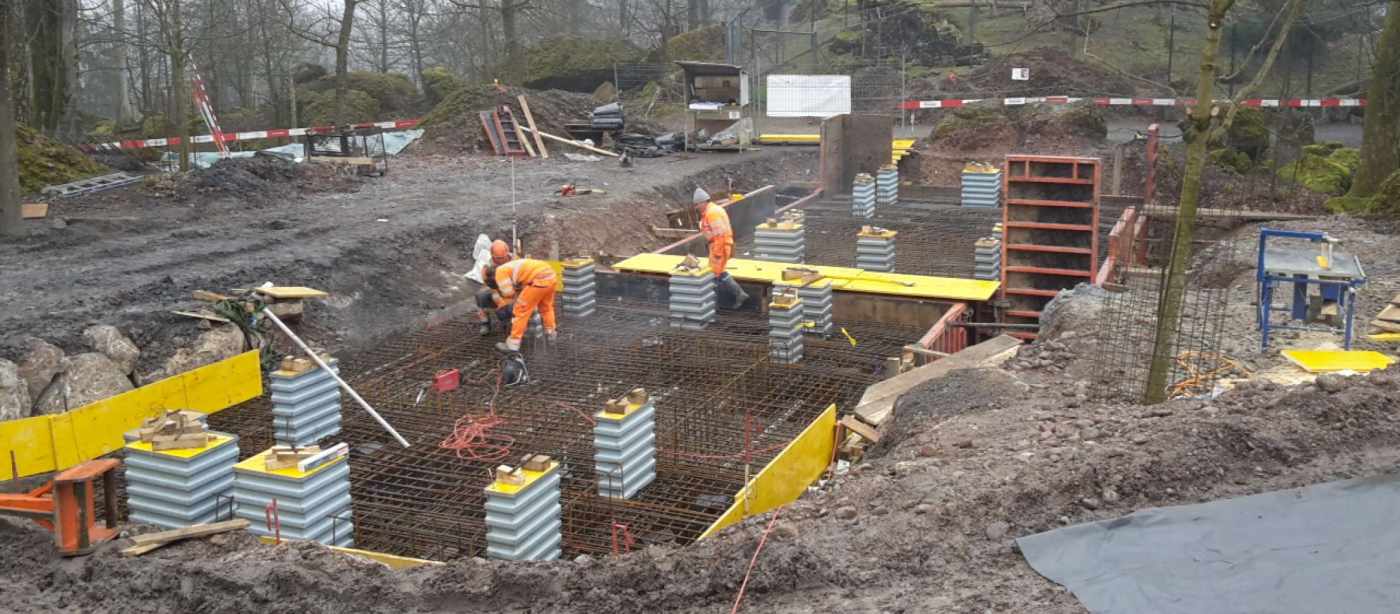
column 1347, row 157
column 438, row 82
column 1321, row 149
column 43, row 162
column 968, row 118
column 319, row 107
column 1351, row 205
column 1386, row 201
column 1318, row 174
column 702, row 45
column 574, row 63
column 1237, row 161
column 392, row 92
column 1249, row 133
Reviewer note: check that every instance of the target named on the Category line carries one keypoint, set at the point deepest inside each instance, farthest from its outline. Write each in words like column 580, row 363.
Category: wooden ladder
column 503, row 133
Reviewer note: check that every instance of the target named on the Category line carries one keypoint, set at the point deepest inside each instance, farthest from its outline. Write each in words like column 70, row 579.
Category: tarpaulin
column 1327, row 548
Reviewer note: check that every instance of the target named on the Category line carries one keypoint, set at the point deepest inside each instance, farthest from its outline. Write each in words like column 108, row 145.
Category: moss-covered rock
column 319, row 107
column 1384, row 203
column 43, row 162
column 1322, row 149
column 968, row 118
column 438, row 82
column 1249, row 133
column 392, row 92
column 1347, row 157
column 574, row 64
column 1231, row 159
column 702, row 45
column 1318, row 174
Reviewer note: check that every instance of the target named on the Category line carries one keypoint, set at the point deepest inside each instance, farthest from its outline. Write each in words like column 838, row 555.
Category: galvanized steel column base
column 987, row 259
column 524, row 520
column 305, row 405
column 981, row 189
column 785, row 343
column 816, row 306
column 887, row 185
column 863, row 196
column 312, row 505
column 780, row 242
column 692, row 301
column 580, row 287
column 625, row 450
column 179, row 488
column 875, row 250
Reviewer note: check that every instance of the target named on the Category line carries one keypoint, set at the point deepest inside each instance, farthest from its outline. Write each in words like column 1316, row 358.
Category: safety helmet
column 500, row 252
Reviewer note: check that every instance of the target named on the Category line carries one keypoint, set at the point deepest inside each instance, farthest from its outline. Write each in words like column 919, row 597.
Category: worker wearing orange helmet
column 488, row 298
column 714, row 223
column 531, row 283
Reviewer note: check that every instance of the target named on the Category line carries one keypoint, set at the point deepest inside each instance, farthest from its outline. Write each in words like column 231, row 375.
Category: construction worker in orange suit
column 488, row 298
column 714, row 223
column 531, row 283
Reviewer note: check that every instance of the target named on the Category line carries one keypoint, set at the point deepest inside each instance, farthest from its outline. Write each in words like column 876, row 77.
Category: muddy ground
column 390, row 250
column 925, row 524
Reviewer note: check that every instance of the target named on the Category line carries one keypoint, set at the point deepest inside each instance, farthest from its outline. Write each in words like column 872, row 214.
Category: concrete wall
column 853, row 144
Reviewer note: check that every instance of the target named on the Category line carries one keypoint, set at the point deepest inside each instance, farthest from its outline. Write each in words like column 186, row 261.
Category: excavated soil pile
column 1052, row 73
column 258, row 180
column 1225, row 189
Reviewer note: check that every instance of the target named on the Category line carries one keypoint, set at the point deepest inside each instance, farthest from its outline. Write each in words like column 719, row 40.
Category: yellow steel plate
column 1384, row 337
column 510, row 490
column 1323, row 361
column 289, row 292
column 258, row 464
column 214, row 442
column 842, row 278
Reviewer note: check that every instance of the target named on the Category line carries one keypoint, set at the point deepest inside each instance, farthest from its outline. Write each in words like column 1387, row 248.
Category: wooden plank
column 151, row 541
column 876, row 413
column 520, row 136
column 986, row 353
column 33, row 211
column 1391, row 313
column 201, row 315
column 530, row 121
column 860, row 428
column 285, row 292
column 583, row 146
column 210, row 297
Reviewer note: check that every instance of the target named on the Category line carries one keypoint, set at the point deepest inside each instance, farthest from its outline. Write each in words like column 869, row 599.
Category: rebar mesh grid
column 723, row 411
column 934, row 239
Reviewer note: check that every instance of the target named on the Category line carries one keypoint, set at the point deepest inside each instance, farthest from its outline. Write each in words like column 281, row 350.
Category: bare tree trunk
column 1380, row 145
column 1174, row 286
column 342, row 62
column 9, row 159
column 124, row 114
column 176, row 53
column 508, row 32
column 624, row 19
column 143, row 58
column 383, row 36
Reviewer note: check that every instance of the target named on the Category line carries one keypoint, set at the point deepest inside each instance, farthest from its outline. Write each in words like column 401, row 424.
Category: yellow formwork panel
column 787, row 476
column 1324, row 361
column 56, row 442
column 842, row 278
column 898, row 147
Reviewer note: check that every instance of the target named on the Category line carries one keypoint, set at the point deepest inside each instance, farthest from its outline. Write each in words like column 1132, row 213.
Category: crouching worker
column 531, row 283
column 488, row 298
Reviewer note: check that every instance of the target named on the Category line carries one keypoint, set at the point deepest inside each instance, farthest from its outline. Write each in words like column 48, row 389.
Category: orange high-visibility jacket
column 521, row 273
column 714, row 222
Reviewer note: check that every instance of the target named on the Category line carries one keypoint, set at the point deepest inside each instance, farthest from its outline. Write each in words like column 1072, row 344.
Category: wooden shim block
column 179, row 442
column 506, row 474
column 33, row 211
column 530, row 121
column 876, row 413
column 1389, row 327
column 290, row 292
column 1391, row 313
column 156, row 540
column 861, row 428
column 536, row 462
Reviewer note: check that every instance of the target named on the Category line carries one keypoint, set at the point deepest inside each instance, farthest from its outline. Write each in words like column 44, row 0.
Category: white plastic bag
column 482, row 253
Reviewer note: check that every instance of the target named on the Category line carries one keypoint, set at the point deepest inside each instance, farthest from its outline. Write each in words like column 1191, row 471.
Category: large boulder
column 1078, row 310
column 215, row 344
column 40, row 364
column 114, row 345
column 14, row 392
column 86, row 378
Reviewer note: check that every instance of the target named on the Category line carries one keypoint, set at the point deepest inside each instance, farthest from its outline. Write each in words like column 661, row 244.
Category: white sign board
column 809, row 95
column 1020, row 74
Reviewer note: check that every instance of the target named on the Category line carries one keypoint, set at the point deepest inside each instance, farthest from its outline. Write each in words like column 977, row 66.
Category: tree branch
column 1295, row 7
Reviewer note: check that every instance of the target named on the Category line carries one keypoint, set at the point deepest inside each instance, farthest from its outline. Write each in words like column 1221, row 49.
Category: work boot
column 732, row 285
column 509, row 346
column 484, row 328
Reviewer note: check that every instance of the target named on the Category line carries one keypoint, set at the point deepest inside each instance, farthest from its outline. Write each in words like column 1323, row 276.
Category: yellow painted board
column 787, row 476
column 1323, row 361
column 290, row 292
column 258, row 464
column 394, row 561
column 502, row 488
column 58, row 441
column 215, row 441
column 842, row 278
column 1384, row 337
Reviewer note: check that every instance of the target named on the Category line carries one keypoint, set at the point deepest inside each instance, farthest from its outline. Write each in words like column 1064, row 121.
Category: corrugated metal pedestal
column 179, row 488
column 312, row 505
column 692, row 302
column 863, row 196
column 816, row 306
column 780, row 242
column 523, row 521
column 785, row 331
column 625, row 450
column 875, row 250
column 305, row 405
column 887, row 185
column 987, row 259
column 580, row 287
column 981, row 189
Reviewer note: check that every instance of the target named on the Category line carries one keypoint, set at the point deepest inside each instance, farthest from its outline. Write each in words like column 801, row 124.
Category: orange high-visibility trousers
column 540, row 296
column 720, row 253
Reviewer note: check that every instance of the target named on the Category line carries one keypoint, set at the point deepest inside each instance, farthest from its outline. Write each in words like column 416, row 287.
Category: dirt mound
column 44, row 162
column 256, row 180
column 456, row 116
column 1053, row 72
column 1223, row 188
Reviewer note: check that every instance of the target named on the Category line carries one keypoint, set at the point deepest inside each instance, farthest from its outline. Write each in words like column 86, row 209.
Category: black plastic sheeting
column 1329, row 548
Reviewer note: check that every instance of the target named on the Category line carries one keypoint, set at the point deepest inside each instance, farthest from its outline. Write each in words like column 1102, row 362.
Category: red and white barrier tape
column 1104, row 101
column 226, row 137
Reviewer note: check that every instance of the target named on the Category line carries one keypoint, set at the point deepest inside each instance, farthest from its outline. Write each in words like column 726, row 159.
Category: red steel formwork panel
column 1050, row 219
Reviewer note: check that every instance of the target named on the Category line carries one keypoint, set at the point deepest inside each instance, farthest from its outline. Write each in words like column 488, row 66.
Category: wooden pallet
column 1050, row 215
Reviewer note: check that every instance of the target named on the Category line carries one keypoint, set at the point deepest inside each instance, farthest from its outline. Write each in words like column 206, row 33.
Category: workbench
column 1337, row 275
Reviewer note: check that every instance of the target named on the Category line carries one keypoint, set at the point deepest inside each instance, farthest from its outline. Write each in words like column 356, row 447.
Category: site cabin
column 717, row 101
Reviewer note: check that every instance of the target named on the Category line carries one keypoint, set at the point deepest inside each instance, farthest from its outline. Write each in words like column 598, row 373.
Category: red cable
column 468, row 437
column 761, row 540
